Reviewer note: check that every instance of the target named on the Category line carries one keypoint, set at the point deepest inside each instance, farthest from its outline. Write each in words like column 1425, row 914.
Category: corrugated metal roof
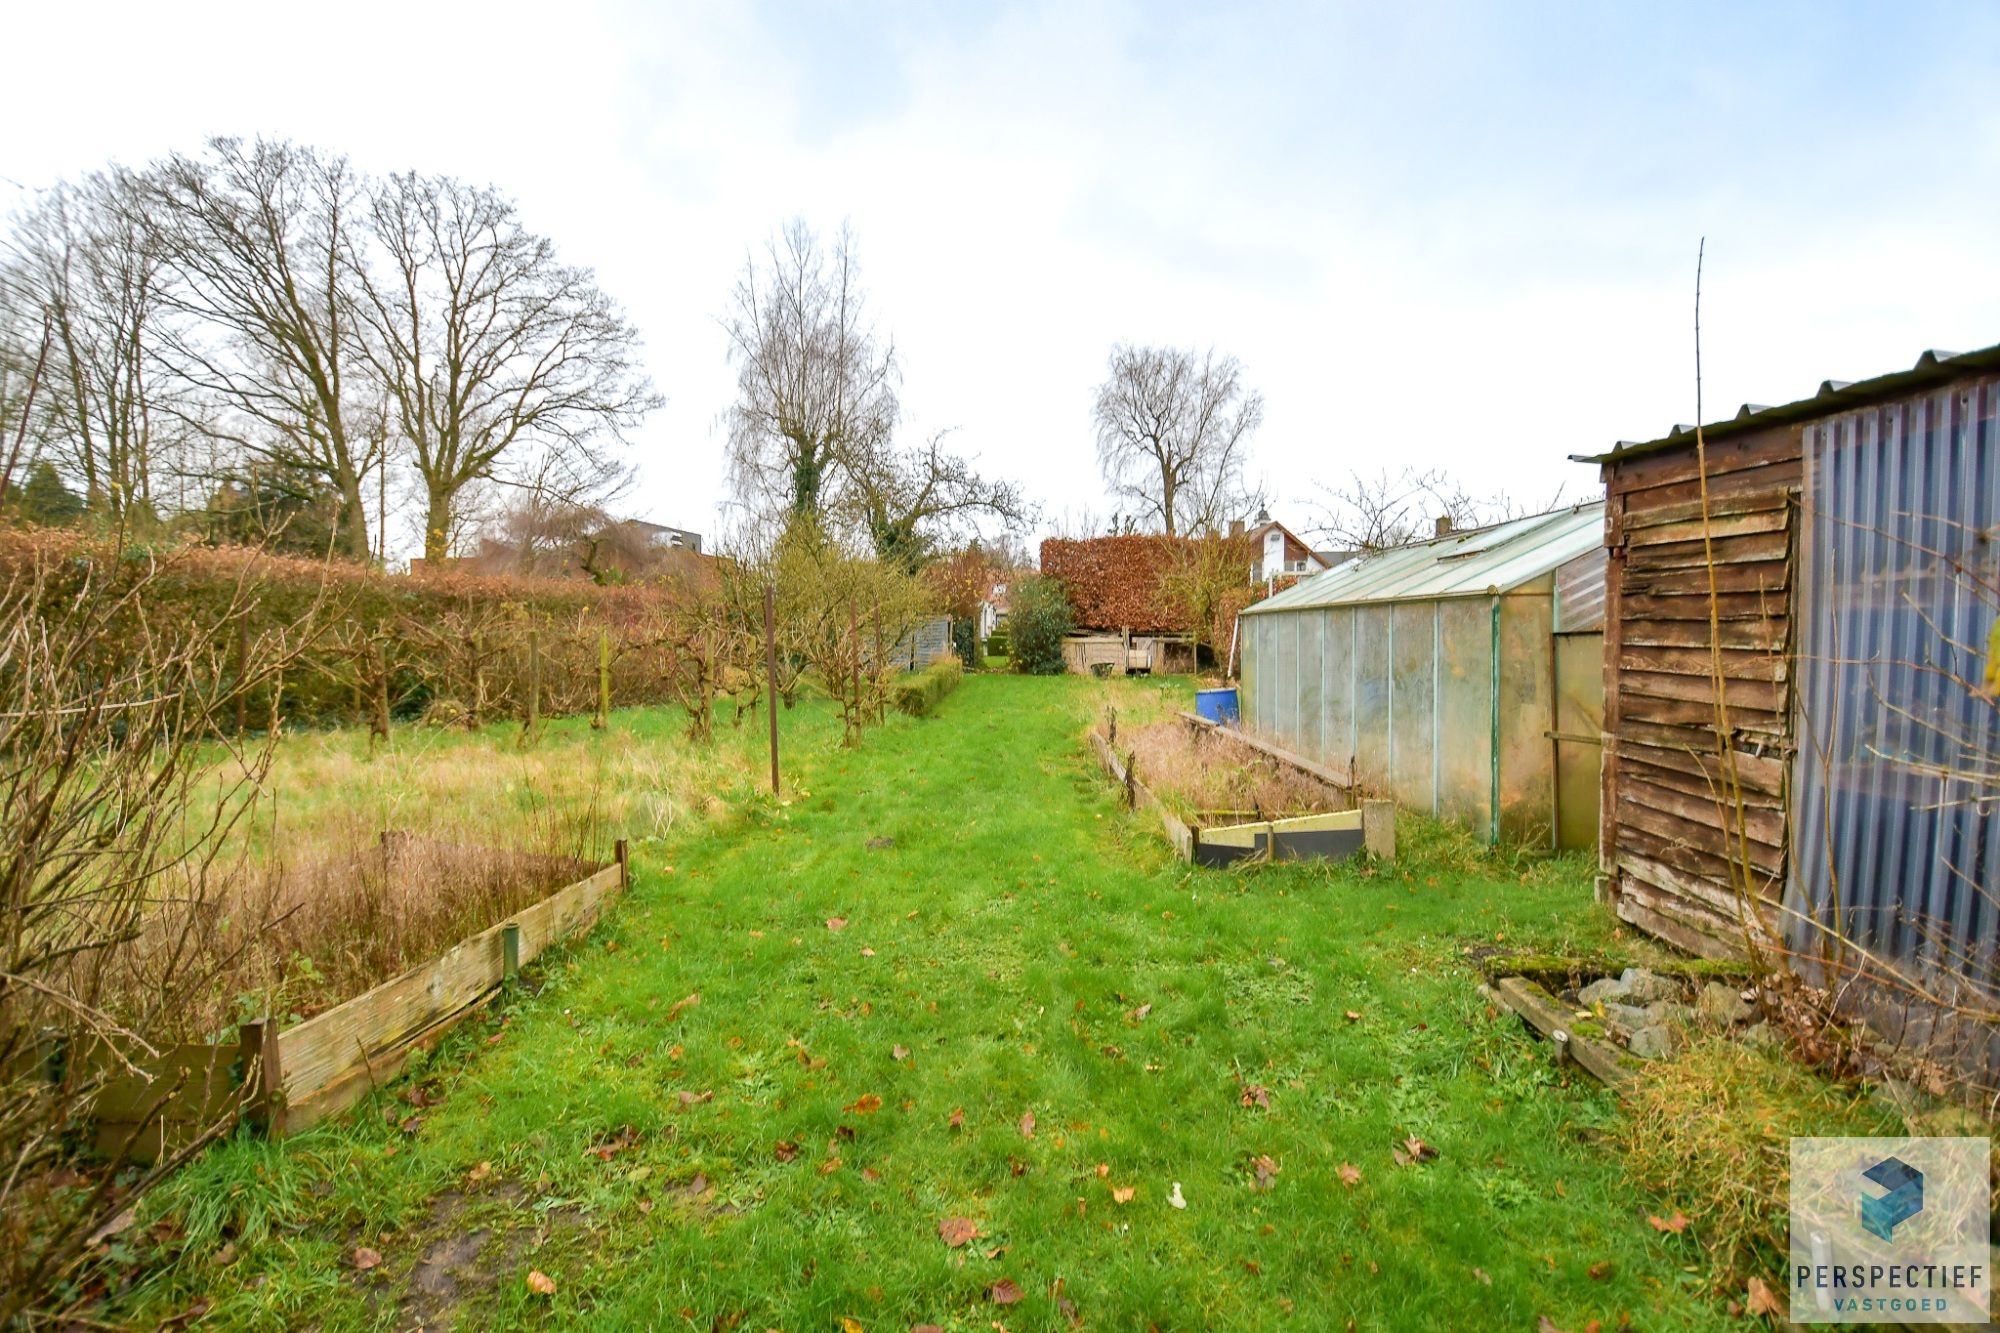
column 1933, row 367
column 1463, row 564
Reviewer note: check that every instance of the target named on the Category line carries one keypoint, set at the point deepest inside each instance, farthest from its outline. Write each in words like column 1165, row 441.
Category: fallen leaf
column 996, row 1252
column 1123, row 1193
column 836, row 923
column 785, row 1150
column 479, row 1173
column 674, row 1009
column 1762, row 1300
column 1004, row 1292
column 829, row 1166
column 956, row 1119
column 849, row 1324
column 1267, row 1171
column 364, row 1258
column 1175, row 1198
column 1676, row 1224
column 1256, row 1094
column 1353, row 1015
column 1415, row 1149
column 122, row 1222
column 1599, row 1270
column 1139, row 1015
column 926, row 1328
column 1483, row 1276
column 900, row 1052
column 1027, row 1124
column 867, row 952
column 541, row 1283
column 1252, row 1267
column 866, row 1104
column 870, row 1174
column 1547, row 1325
column 696, row 1098
column 1103, row 1170
column 1349, row 1173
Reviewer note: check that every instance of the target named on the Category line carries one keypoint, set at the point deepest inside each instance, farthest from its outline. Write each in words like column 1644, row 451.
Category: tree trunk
column 437, row 528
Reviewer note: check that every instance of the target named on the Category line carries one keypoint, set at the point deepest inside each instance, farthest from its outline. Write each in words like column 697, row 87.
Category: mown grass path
column 781, row 1151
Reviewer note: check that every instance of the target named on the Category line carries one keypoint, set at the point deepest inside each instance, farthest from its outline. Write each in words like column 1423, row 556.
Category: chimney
column 1444, row 525
column 1236, row 527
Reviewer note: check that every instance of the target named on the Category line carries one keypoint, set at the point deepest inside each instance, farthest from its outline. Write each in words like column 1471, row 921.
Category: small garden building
column 1802, row 702
column 1461, row 676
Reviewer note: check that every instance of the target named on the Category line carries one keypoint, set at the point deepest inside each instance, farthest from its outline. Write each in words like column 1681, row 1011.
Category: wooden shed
column 1802, row 744
column 1459, row 676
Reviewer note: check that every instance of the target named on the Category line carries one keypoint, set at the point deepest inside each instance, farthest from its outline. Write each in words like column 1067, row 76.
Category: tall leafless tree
column 909, row 501
column 1389, row 509
column 1173, row 430
column 261, row 240
column 82, row 254
column 815, row 392
column 501, row 363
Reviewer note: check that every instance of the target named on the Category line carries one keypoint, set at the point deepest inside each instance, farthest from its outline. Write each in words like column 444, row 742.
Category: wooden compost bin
column 284, row 1080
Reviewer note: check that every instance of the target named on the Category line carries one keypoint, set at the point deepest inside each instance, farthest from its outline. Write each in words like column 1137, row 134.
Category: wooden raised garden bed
column 286, row 1079
column 1224, row 838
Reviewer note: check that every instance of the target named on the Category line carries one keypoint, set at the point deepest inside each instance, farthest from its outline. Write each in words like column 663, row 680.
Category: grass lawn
column 951, row 979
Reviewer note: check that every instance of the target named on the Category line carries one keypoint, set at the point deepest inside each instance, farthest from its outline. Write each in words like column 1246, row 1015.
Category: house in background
column 1277, row 551
column 662, row 537
column 992, row 611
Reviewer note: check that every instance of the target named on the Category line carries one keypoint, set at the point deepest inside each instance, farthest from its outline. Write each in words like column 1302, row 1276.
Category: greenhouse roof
column 1473, row 563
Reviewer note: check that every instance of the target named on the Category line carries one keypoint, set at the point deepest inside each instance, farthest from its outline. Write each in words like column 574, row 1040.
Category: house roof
column 1470, row 563
column 1933, row 367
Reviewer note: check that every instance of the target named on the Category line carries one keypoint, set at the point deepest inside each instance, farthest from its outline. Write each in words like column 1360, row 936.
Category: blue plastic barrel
column 1217, row 706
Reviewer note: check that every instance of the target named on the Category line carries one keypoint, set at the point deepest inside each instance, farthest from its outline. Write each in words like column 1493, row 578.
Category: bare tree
column 491, row 350
column 1173, row 429
column 82, row 254
column 261, row 240
column 1394, row 509
column 910, row 501
column 814, row 391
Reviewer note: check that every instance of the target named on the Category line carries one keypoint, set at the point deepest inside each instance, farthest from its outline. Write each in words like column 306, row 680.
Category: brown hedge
column 416, row 619
column 1114, row 582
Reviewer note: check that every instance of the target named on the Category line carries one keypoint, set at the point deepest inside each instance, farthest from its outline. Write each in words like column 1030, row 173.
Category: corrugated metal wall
column 1896, row 783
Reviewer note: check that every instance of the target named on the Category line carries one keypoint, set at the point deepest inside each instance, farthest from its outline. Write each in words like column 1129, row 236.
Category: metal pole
column 771, row 677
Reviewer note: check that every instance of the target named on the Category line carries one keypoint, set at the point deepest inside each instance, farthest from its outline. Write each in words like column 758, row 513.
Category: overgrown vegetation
column 768, row 1091
column 1038, row 617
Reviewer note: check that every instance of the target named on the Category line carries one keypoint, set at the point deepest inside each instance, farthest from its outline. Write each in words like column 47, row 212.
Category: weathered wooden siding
column 1670, row 838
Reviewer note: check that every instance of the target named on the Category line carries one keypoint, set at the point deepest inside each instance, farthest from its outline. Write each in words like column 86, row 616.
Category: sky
column 1453, row 236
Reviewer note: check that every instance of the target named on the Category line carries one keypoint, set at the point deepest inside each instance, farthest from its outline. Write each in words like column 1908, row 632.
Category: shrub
column 965, row 642
column 996, row 643
column 1038, row 618
column 920, row 692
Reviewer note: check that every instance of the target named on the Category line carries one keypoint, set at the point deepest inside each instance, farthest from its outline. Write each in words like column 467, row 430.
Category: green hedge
column 920, row 692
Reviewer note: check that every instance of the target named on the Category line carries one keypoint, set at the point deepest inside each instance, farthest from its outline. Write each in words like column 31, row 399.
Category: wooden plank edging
column 333, row 1059
column 1531, row 1000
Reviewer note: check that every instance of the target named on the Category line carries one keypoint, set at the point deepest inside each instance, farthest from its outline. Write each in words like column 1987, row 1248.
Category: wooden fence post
column 771, row 674
column 1378, row 828
column 603, row 718
column 263, row 1076
column 534, row 684
column 621, row 852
